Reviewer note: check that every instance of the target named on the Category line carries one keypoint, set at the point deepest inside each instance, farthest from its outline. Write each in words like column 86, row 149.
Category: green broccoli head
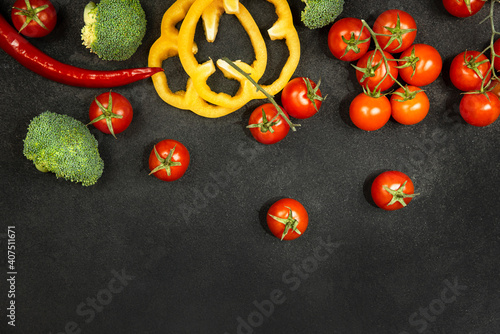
column 114, row 29
column 319, row 13
column 63, row 145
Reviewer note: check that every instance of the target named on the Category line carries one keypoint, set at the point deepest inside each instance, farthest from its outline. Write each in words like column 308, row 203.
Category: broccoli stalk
column 319, row 13
column 63, row 145
column 114, row 29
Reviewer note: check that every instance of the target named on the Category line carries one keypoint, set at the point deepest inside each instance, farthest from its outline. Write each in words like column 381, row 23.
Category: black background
column 202, row 271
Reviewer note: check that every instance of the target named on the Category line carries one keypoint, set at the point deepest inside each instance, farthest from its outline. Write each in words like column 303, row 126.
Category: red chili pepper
column 27, row 55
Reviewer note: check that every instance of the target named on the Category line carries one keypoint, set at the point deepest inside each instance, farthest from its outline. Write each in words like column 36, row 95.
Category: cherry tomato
column 371, row 69
column 301, row 98
column 287, row 219
column 425, row 65
column 480, row 109
column 111, row 113
column 266, row 125
column 496, row 61
column 392, row 190
column 34, row 18
column 370, row 113
column 409, row 106
column 348, row 40
column 459, row 8
column 169, row 160
column 495, row 87
column 401, row 27
column 464, row 67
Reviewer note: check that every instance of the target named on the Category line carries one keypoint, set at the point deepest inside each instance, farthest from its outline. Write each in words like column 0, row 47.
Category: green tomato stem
column 259, row 88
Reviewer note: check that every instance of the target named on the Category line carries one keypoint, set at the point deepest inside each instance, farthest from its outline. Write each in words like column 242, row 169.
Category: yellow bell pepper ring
column 283, row 28
column 166, row 47
column 201, row 72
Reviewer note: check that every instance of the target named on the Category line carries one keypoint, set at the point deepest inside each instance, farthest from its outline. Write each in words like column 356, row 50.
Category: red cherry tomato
column 480, row 109
column 111, row 113
column 392, row 190
column 371, row 69
column 426, row 65
column 370, row 113
column 348, row 40
column 287, row 219
column 410, row 108
column 265, row 118
column 459, row 8
column 463, row 70
column 496, row 61
column 401, row 27
column 301, row 98
column 34, row 18
column 169, row 160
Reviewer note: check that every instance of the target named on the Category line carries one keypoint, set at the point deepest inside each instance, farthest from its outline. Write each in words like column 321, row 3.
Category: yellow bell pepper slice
column 167, row 46
column 201, row 72
column 283, row 28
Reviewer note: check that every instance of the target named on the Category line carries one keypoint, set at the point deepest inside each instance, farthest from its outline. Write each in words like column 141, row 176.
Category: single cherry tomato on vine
column 423, row 65
column 34, row 18
column 392, row 190
column 494, row 87
column 480, row 109
column 169, row 160
column 111, row 113
column 496, row 61
column 348, row 40
column 370, row 113
column 371, row 69
column 468, row 70
column 409, row 105
column 301, row 97
column 463, row 8
column 266, row 125
column 401, row 27
column 287, row 219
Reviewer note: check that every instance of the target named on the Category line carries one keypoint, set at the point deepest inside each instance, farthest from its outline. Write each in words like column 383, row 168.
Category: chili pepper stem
column 259, row 88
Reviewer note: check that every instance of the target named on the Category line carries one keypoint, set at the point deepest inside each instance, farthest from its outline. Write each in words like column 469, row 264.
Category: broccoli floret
column 114, row 29
column 319, row 13
column 63, row 145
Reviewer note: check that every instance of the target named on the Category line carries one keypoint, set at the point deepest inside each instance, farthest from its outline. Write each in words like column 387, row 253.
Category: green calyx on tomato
column 407, row 94
column 397, row 34
column 289, row 222
column 352, row 44
column 266, row 125
column 165, row 163
column 410, row 61
column 471, row 62
column 399, row 195
column 107, row 114
column 31, row 14
column 312, row 93
column 369, row 70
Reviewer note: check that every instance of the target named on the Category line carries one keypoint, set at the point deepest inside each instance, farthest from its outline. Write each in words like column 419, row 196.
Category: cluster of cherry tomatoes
column 377, row 70
column 471, row 72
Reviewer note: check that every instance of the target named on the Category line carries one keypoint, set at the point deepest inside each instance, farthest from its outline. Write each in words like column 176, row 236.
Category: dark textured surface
column 204, row 271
